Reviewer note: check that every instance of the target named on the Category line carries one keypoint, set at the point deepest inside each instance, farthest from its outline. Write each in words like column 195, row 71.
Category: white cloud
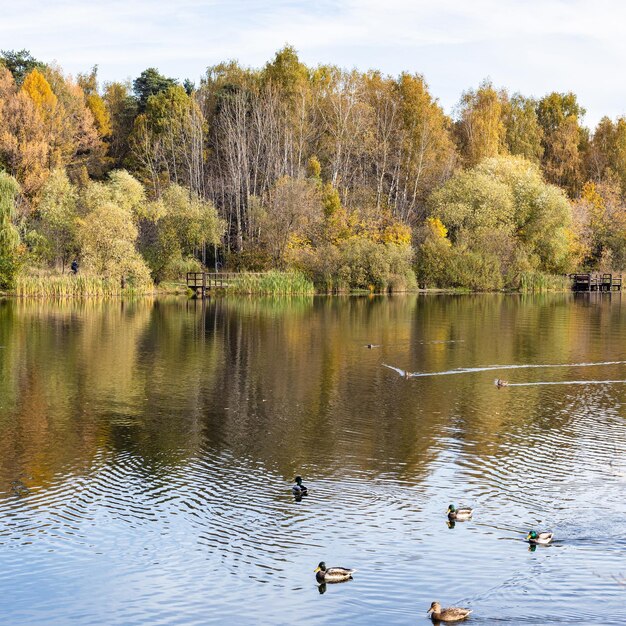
column 532, row 46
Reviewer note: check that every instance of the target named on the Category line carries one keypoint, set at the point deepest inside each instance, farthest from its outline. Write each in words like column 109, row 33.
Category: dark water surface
column 147, row 450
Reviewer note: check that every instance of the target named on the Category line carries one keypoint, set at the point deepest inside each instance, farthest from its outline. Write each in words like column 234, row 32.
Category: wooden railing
column 204, row 281
column 596, row 282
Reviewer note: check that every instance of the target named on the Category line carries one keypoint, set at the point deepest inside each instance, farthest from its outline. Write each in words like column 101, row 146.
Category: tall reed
column 272, row 283
column 541, row 282
column 69, row 286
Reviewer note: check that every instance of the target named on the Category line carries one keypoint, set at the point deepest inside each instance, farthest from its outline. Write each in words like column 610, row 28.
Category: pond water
column 147, row 452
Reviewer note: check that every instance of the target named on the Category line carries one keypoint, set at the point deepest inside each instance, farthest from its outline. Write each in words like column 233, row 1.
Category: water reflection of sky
column 147, row 449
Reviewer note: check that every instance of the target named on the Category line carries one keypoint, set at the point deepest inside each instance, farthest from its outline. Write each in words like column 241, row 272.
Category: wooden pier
column 596, row 282
column 202, row 283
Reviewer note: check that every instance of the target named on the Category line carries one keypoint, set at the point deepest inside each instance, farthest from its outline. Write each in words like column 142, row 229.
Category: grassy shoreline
column 273, row 283
column 80, row 286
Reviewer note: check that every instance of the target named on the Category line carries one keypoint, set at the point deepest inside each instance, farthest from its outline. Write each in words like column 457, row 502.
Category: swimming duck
column 403, row 373
column 533, row 537
column 459, row 514
column 498, row 382
column 450, row 614
column 299, row 489
column 372, row 345
column 332, row 574
column 19, row 488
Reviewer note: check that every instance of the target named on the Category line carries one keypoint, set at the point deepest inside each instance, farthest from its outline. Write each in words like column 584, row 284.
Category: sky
column 527, row 46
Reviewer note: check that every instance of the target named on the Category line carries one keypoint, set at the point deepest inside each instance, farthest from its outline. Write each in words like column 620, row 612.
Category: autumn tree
column 286, row 87
column 426, row 155
column 220, row 79
column 108, row 237
column 479, row 127
column 95, row 103
column 46, row 125
column 473, row 201
column 601, row 150
column 168, row 141
column 122, row 109
column 523, row 134
column 560, row 115
column 294, row 207
column 108, row 233
column 24, row 137
column 287, row 73
column 600, row 215
column 503, row 208
column 38, row 89
column 239, row 171
column 57, row 218
column 606, row 155
column 75, row 140
column 261, row 128
column 344, row 121
column 542, row 212
column 178, row 226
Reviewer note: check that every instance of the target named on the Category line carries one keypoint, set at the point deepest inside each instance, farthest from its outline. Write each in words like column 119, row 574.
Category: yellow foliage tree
column 338, row 224
column 39, row 91
column 24, row 138
column 595, row 203
column 101, row 116
column 437, row 229
column 480, row 128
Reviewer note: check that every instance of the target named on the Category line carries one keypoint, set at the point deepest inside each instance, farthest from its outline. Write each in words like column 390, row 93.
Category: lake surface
column 147, row 451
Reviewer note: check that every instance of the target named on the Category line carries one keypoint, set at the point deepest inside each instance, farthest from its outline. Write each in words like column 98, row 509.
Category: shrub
column 439, row 265
column 359, row 263
column 178, row 268
column 476, row 271
column 435, row 263
column 11, row 262
column 253, row 259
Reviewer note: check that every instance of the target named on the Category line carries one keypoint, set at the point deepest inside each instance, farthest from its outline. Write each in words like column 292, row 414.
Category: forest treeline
column 355, row 179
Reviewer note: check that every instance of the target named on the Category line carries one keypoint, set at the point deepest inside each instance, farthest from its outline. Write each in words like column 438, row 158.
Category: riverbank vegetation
column 348, row 180
column 272, row 284
column 68, row 286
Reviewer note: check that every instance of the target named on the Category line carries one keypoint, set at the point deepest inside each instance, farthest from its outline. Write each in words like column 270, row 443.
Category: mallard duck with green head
column 450, row 614
column 535, row 538
column 325, row 574
column 299, row 489
column 460, row 515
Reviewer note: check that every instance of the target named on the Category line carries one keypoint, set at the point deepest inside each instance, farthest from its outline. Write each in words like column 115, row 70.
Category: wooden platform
column 596, row 282
column 202, row 283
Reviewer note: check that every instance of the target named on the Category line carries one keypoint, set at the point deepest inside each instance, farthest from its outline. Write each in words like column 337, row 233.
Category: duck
column 332, row 574
column 299, row 489
column 403, row 373
column 542, row 538
column 498, row 382
column 450, row 614
column 372, row 345
column 459, row 514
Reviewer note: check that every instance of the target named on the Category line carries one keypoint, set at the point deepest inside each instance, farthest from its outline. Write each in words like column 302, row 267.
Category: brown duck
column 451, row 614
